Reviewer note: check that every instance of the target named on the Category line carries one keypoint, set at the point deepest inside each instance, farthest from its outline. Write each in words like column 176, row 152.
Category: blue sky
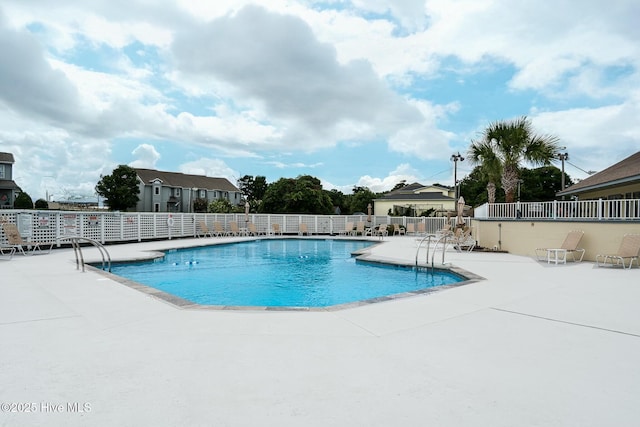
column 356, row 93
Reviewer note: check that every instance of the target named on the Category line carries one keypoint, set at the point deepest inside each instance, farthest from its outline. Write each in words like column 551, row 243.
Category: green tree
column 23, row 201
column 504, row 146
column 539, row 184
column 220, row 206
column 360, row 199
column 252, row 188
column 338, row 199
column 120, row 189
column 42, row 204
column 303, row 194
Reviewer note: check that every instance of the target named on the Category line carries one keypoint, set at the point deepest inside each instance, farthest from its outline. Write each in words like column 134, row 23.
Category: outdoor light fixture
column 562, row 157
column 456, row 158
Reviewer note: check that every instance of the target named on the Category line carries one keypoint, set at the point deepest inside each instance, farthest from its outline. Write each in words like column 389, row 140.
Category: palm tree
column 504, row 146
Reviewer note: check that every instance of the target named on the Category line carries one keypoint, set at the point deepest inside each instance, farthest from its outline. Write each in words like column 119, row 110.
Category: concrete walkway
column 532, row 345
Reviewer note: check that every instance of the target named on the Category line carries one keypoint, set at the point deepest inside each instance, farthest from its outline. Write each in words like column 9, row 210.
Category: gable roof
column 183, row 180
column 623, row 172
column 6, row 158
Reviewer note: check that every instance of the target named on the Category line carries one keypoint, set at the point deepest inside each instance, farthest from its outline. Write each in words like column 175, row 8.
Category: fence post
column 599, row 209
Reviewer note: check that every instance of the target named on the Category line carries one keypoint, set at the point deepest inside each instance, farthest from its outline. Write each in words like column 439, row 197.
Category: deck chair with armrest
column 398, row 230
column 252, row 230
column 559, row 255
column 218, row 229
column 15, row 240
column 303, row 229
column 275, row 229
column 203, row 230
column 348, row 229
column 629, row 249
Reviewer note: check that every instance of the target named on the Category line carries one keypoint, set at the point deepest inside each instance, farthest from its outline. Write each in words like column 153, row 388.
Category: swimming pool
column 278, row 273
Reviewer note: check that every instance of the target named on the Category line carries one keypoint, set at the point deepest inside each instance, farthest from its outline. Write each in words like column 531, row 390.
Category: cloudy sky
column 356, row 93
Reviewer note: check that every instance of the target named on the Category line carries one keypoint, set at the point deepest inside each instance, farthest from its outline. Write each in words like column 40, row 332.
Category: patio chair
column 235, row 230
column 303, row 229
column 629, row 249
column 422, row 229
column 218, row 230
column 559, row 255
column 398, row 230
column 348, row 229
column 359, row 229
column 463, row 240
column 15, row 240
column 275, row 229
column 382, row 231
column 203, row 230
column 252, row 230
column 411, row 229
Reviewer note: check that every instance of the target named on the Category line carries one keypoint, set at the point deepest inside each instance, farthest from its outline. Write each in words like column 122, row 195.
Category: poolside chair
column 422, row 228
column 235, row 230
column 348, row 229
column 303, row 229
column 629, row 249
column 411, row 229
column 252, row 230
column 382, row 231
column 218, row 230
column 203, row 230
column 359, row 229
column 559, row 255
column 275, row 229
column 398, row 230
column 16, row 241
column 462, row 240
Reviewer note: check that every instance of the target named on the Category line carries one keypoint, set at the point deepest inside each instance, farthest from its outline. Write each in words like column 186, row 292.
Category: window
column 177, row 192
column 156, row 207
column 2, row 172
column 203, row 194
column 156, row 190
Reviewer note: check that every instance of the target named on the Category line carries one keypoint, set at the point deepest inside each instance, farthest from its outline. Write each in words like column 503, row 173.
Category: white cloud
column 210, row 167
column 146, row 157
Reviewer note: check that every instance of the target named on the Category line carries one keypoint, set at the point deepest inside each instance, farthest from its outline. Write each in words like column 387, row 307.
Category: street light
column 562, row 157
column 456, row 158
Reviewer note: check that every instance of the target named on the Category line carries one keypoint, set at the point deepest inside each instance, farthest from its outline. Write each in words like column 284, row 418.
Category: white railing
column 623, row 209
column 105, row 227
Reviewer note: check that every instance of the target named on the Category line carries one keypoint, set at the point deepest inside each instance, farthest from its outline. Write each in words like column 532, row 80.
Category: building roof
column 6, row 158
column 7, row 184
column 624, row 172
column 410, row 193
column 183, row 180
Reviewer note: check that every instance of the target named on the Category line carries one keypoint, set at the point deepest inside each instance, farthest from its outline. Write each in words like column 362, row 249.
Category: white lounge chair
column 16, row 241
column 629, row 249
column 559, row 255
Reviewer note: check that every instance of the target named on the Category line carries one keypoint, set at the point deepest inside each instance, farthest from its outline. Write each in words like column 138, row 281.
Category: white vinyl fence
column 105, row 227
column 624, row 209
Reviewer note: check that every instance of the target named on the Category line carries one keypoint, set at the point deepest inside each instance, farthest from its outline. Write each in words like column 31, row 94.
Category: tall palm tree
column 504, row 146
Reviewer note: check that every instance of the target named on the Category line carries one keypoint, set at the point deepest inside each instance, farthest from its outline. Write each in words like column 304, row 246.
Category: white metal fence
column 105, row 227
column 624, row 209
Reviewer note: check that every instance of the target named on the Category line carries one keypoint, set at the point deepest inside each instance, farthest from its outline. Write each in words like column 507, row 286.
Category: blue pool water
column 277, row 273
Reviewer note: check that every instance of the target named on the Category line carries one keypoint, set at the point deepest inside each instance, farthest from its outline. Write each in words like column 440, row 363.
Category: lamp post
column 456, row 158
column 562, row 157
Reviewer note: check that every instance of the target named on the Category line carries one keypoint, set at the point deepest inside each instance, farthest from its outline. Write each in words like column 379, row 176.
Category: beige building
column 417, row 200
column 620, row 181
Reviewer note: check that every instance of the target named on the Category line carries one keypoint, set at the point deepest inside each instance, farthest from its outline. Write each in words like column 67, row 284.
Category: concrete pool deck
column 533, row 344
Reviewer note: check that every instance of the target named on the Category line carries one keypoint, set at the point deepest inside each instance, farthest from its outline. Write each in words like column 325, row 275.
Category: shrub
column 23, row 201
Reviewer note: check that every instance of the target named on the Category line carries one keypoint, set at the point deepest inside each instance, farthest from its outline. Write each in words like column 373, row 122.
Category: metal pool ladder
column 77, row 249
column 428, row 237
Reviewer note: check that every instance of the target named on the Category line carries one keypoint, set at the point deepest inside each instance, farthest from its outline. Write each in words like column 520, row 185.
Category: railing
column 105, row 227
column 601, row 210
column 77, row 249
